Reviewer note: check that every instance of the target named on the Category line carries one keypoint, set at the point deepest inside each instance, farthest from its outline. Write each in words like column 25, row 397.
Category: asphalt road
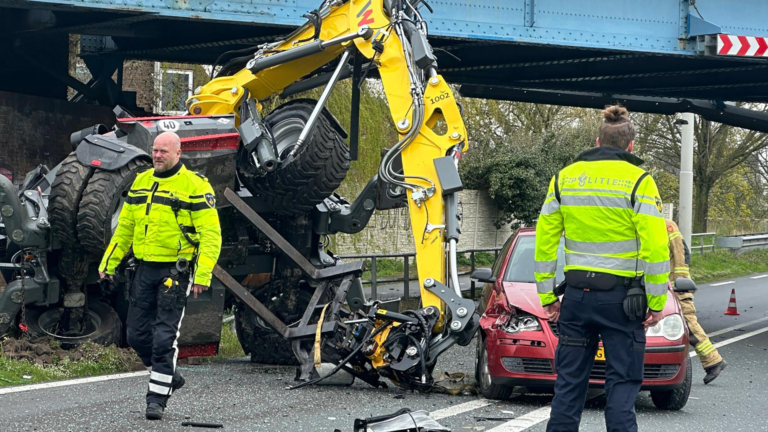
column 248, row 397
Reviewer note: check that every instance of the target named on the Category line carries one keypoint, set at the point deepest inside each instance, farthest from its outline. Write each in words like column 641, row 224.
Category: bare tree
column 718, row 149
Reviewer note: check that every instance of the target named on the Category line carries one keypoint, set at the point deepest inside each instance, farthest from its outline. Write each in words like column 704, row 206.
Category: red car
column 516, row 343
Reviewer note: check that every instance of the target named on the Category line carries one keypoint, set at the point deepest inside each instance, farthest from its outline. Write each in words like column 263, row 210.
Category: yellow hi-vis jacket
column 148, row 223
column 604, row 231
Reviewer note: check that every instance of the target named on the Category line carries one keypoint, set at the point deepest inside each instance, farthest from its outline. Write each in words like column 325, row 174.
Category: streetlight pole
column 685, row 208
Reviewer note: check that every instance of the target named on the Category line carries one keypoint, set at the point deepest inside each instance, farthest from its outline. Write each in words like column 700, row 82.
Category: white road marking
column 736, row 339
column 542, row 414
column 525, row 421
column 738, row 326
column 72, row 382
column 722, row 283
column 759, row 277
column 739, row 338
column 460, row 408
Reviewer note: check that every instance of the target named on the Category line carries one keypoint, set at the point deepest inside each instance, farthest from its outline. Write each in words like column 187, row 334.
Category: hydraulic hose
column 343, row 362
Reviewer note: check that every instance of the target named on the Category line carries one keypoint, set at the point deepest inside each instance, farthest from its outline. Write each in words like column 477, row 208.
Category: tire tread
column 316, row 172
column 66, row 194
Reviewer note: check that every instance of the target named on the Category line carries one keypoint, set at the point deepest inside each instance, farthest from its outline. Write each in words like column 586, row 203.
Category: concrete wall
column 390, row 231
column 35, row 130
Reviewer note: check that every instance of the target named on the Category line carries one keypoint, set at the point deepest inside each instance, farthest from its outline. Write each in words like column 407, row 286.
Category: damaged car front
column 517, row 343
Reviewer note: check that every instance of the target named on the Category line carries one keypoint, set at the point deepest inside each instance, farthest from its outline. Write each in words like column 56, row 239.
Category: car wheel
column 676, row 399
column 487, row 388
column 541, row 390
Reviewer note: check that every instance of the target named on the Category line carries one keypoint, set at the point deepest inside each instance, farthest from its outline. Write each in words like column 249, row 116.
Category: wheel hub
column 50, row 322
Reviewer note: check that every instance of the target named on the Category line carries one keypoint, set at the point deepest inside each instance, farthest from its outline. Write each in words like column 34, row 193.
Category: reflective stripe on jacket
column 148, row 223
column 604, row 232
column 677, row 264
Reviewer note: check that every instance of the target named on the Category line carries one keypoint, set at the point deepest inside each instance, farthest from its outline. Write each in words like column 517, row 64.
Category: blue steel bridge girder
column 658, row 26
column 646, row 48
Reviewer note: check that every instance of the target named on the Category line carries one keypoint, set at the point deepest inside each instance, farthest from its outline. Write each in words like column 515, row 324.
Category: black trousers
column 583, row 316
column 154, row 318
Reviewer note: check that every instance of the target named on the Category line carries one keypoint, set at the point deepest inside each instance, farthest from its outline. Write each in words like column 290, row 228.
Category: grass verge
column 22, row 362
column 45, row 361
column 229, row 347
column 722, row 264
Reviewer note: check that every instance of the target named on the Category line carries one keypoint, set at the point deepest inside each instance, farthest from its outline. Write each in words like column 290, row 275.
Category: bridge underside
column 488, row 63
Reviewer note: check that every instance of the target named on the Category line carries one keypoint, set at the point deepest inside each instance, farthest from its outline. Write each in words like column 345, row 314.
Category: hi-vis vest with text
column 604, row 230
column 148, row 223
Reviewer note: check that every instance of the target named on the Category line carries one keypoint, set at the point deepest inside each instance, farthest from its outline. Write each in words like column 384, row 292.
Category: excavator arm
column 391, row 35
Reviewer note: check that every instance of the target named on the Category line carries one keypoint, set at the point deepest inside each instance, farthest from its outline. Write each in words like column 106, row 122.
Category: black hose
column 343, row 362
column 234, row 64
column 424, row 326
column 248, row 50
column 422, row 360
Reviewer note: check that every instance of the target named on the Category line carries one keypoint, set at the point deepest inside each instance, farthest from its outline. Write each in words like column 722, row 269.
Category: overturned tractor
column 274, row 174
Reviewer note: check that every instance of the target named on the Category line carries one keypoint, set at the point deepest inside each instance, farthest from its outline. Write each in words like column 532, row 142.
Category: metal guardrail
column 702, row 247
column 375, row 281
column 744, row 242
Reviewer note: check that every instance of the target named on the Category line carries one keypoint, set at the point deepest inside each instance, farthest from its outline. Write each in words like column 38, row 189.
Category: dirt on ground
column 46, row 351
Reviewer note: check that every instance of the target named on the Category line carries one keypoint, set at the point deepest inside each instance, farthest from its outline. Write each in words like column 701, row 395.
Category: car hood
column 523, row 295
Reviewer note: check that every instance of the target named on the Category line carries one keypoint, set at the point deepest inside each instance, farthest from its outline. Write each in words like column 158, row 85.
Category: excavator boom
column 391, row 36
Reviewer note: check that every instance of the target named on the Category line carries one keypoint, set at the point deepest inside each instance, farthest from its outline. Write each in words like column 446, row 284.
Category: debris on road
column 454, row 384
column 203, row 425
column 480, row 419
column 403, row 420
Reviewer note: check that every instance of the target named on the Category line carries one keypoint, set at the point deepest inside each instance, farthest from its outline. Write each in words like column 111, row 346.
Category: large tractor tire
column 66, row 193
column 317, row 169
column 260, row 341
column 102, row 325
column 101, row 203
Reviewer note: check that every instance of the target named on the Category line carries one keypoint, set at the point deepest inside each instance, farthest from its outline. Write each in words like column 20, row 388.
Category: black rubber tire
column 541, row 390
column 66, row 193
column 317, row 170
column 101, row 199
column 262, row 343
column 108, row 331
column 675, row 400
column 487, row 388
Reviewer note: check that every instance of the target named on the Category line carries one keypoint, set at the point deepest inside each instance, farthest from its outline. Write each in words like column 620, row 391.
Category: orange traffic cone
column 732, row 304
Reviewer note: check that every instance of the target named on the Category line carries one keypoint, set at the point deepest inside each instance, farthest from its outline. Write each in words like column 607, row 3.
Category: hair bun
column 615, row 114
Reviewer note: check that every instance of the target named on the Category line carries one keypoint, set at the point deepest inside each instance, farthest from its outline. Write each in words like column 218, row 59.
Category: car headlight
column 671, row 327
column 520, row 323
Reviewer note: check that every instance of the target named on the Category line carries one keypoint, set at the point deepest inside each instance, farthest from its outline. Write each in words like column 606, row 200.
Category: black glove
column 560, row 289
column 107, row 286
column 635, row 304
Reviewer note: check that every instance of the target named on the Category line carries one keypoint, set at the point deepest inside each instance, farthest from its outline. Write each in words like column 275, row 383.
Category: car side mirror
column 483, row 275
column 683, row 285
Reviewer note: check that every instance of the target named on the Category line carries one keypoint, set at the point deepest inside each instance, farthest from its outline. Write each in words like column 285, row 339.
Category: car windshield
column 520, row 265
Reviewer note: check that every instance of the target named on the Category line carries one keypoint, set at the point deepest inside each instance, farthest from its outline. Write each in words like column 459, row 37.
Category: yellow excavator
column 340, row 329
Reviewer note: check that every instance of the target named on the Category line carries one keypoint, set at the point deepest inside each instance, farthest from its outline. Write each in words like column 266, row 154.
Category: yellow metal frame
column 225, row 94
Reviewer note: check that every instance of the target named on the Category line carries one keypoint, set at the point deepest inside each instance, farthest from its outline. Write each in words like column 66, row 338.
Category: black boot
column 714, row 371
column 178, row 380
column 154, row 411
